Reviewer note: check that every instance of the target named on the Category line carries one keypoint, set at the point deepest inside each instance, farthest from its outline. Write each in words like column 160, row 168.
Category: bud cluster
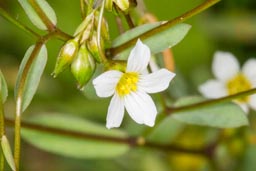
column 82, row 52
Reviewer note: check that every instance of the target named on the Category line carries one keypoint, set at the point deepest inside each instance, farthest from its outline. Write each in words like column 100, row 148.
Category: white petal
column 141, row 108
column 138, row 58
column 105, row 83
column 225, row 65
column 213, row 89
column 249, row 70
column 156, row 81
column 252, row 101
column 115, row 112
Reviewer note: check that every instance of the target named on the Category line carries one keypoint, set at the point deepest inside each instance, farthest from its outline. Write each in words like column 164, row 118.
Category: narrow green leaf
column 34, row 17
column 130, row 34
column 33, row 77
column 7, row 152
column 71, row 146
column 3, row 88
column 158, row 42
column 224, row 115
column 166, row 131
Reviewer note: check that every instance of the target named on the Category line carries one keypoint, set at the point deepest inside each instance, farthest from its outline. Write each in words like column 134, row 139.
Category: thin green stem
column 90, row 6
column 9, row 18
column 131, row 141
column 114, row 51
column 129, row 20
column 57, row 32
column 82, row 9
column 212, row 102
column 62, row 35
column 102, row 54
column 50, row 26
column 17, row 142
column 19, row 101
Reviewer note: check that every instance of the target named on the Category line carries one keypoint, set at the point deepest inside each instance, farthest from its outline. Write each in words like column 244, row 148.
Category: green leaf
column 3, row 88
column 32, row 80
column 224, row 115
column 71, row 146
column 166, row 131
column 34, row 17
column 7, row 152
column 158, row 42
column 130, row 34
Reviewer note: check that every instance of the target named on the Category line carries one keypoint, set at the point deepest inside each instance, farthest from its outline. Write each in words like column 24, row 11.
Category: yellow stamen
column 127, row 83
column 238, row 84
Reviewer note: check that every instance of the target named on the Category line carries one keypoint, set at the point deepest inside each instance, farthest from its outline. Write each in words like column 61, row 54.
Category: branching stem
column 9, row 18
column 212, row 102
column 131, row 141
column 114, row 51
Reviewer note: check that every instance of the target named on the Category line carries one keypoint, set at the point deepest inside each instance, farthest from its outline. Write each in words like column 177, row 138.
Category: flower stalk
column 102, row 54
column 19, row 111
column 9, row 18
column 206, row 103
column 131, row 141
column 170, row 23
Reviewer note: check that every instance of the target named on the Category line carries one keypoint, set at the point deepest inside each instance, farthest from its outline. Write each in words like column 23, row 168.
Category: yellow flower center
column 127, row 83
column 238, row 84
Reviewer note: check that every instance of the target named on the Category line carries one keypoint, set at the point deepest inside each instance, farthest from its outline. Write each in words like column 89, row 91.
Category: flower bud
column 83, row 66
column 122, row 4
column 93, row 47
column 66, row 56
column 109, row 5
column 87, row 33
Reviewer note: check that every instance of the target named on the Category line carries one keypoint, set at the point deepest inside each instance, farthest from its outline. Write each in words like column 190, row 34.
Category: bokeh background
column 228, row 26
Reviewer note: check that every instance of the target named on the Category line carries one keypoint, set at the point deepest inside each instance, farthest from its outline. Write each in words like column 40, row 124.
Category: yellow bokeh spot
column 238, row 84
column 188, row 162
column 127, row 83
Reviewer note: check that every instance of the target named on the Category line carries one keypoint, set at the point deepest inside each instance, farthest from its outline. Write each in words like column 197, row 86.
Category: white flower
column 231, row 80
column 130, row 89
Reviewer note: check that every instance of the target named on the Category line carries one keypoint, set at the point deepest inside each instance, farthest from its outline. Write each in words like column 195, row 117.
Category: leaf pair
column 33, row 9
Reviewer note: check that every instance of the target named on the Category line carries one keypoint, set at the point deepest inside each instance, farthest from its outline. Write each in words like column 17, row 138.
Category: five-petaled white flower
column 231, row 80
column 130, row 89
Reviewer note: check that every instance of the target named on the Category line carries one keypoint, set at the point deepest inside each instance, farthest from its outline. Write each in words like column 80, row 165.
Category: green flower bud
column 109, row 5
column 83, row 66
column 87, row 33
column 93, row 47
column 66, row 56
column 122, row 4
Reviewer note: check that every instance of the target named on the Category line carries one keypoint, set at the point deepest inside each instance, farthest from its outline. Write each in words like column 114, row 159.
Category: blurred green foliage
column 229, row 26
